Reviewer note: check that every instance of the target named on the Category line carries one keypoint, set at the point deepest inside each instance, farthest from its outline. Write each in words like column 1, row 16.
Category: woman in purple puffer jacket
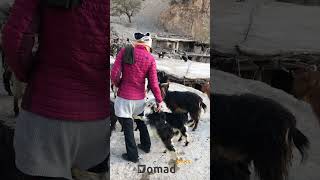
column 132, row 66
column 64, row 123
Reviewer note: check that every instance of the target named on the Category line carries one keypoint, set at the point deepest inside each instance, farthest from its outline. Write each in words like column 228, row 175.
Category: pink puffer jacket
column 69, row 77
column 132, row 85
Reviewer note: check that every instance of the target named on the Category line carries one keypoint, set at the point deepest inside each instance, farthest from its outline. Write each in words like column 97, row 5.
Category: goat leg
column 16, row 106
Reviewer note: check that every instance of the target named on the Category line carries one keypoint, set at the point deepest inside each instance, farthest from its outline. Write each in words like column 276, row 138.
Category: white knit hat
column 147, row 40
column 144, row 38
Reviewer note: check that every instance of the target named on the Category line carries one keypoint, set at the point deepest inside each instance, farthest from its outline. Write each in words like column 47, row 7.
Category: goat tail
column 203, row 106
column 300, row 141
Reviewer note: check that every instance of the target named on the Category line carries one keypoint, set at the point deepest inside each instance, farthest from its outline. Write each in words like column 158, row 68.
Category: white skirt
column 51, row 147
column 125, row 108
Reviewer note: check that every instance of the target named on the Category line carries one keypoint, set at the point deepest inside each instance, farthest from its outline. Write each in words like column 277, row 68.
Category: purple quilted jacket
column 68, row 78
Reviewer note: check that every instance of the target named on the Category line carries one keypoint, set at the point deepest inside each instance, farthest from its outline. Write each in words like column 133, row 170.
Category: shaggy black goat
column 187, row 102
column 248, row 128
column 169, row 125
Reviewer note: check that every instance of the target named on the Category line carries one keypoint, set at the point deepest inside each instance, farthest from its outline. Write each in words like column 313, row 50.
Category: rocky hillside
column 188, row 17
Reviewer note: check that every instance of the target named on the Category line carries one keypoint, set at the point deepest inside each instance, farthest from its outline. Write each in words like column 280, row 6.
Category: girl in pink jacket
column 132, row 66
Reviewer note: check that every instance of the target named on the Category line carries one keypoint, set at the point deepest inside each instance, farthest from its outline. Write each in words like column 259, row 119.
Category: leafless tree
column 125, row 7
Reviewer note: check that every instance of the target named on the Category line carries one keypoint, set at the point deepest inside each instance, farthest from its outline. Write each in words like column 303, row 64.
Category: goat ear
column 165, row 86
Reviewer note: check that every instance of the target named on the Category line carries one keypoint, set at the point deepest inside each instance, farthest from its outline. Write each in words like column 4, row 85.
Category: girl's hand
column 159, row 106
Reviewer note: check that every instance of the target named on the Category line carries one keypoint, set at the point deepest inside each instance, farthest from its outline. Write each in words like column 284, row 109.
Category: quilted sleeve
column 117, row 68
column 18, row 37
column 153, row 81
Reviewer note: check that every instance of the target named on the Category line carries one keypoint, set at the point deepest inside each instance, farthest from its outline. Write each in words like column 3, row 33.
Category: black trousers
column 144, row 134
column 127, row 125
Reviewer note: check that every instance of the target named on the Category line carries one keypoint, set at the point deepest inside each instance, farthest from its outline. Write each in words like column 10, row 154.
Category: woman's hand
column 114, row 84
column 159, row 106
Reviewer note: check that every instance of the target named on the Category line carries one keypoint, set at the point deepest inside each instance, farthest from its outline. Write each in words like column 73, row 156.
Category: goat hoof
column 187, row 143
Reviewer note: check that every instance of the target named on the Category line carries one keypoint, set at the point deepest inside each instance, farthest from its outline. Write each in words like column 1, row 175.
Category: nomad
column 152, row 170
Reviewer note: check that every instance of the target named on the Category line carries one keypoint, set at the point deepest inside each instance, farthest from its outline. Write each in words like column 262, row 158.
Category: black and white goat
column 187, row 102
column 168, row 126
